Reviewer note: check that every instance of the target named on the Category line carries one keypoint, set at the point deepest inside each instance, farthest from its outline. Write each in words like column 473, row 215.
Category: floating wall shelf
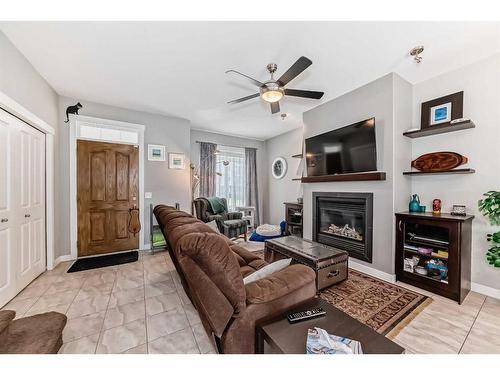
column 439, row 129
column 368, row 176
column 452, row 171
column 300, row 156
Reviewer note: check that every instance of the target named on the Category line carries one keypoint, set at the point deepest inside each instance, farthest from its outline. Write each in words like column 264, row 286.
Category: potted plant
column 490, row 208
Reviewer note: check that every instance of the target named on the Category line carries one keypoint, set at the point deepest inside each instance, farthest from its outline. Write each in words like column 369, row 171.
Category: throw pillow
column 267, row 270
column 213, row 224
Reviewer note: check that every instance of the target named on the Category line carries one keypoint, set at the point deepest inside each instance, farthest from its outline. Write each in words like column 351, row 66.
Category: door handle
column 399, row 225
column 27, row 215
column 333, row 274
column 4, row 220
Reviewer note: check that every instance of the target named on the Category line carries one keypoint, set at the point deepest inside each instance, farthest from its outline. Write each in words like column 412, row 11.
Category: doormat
column 104, row 261
column 383, row 306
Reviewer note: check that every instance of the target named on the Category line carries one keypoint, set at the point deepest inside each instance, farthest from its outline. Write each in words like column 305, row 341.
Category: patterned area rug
column 385, row 307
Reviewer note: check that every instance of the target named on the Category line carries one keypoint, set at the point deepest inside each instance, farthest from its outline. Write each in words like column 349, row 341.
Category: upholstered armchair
column 230, row 224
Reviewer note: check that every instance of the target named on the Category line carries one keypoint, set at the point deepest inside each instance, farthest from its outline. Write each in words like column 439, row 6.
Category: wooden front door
column 107, row 187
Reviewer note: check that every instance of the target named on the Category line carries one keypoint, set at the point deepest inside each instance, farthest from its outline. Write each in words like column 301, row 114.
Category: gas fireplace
column 344, row 221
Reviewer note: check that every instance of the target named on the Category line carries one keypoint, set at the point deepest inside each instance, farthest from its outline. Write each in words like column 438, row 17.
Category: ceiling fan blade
column 275, row 107
column 253, row 80
column 304, row 93
column 244, row 98
column 298, row 67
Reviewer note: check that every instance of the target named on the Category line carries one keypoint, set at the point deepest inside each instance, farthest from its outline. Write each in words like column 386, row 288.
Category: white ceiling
column 177, row 68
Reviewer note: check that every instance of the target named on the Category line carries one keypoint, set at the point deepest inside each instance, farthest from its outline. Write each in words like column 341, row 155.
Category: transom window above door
column 230, row 178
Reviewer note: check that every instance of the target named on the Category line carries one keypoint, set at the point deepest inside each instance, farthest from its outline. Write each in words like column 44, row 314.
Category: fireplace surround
column 344, row 221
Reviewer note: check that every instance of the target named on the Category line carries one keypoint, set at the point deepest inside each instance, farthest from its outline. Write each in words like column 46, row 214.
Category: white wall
column 167, row 185
column 203, row 136
column 481, row 85
column 284, row 190
column 22, row 83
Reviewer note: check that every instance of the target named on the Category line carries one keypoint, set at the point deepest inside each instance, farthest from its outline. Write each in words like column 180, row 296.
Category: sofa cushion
column 279, row 284
column 37, row 334
column 267, row 271
column 215, row 258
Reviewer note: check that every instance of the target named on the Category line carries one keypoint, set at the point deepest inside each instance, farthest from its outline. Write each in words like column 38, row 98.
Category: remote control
column 306, row 314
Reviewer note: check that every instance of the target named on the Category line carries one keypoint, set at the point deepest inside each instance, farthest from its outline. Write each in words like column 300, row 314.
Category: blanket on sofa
column 216, row 204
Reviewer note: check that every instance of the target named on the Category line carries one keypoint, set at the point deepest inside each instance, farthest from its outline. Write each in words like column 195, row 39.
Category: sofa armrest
column 279, row 284
column 234, row 215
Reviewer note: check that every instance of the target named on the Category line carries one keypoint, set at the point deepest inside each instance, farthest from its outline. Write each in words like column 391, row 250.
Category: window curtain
column 230, row 178
column 207, row 175
column 252, row 193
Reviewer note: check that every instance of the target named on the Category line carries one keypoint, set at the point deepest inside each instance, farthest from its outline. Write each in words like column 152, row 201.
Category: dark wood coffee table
column 283, row 337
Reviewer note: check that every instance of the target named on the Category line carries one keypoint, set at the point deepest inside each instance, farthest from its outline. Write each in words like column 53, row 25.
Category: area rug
column 385, row 307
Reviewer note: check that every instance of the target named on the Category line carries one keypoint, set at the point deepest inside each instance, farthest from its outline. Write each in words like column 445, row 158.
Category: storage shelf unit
column 458, row 232
column 300, row 156
column 452, row 171
column 439, row 129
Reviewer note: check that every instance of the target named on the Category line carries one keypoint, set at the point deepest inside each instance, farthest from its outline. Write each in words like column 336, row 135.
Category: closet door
column 30, row 166
column 22, row 205
column 7, row 227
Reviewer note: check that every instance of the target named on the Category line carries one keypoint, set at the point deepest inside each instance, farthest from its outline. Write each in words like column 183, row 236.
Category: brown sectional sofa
column 212, row 268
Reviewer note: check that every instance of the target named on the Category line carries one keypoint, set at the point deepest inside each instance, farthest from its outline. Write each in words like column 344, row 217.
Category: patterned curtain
column 207, row 169
column 252, row 197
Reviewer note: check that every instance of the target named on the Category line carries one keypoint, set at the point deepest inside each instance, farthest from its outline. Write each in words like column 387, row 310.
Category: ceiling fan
column 272, row 91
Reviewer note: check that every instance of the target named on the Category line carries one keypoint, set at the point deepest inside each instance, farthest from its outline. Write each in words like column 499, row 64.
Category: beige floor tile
column 180, row 342
column 94, row 291
column 20, row 306
column 160, row 266
column 62, row 308
column 129, row 273
column 84, row 345
column 88, row 306
column 141, row 349
column 55, row 299
column 31, row 291
column 163, row 302
column 184, row 297
column 204, row 342
column 126, row 283
column 164, row 287
column 126, row 296
column 99, row 279
column 64, row 285
column 122, row 338
column 192, row 315
column 156, row 277
column 123, row 314
column 166, row 323
column 83, row 326
column 422, row 342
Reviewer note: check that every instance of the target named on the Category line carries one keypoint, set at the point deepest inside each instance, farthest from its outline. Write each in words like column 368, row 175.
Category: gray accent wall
column 227, row 140
column 284, row 190
column 376, row 99
column 168, row 186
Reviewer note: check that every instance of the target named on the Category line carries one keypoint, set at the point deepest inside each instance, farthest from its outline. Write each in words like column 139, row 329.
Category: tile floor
column 141, row 308
column 132, row 308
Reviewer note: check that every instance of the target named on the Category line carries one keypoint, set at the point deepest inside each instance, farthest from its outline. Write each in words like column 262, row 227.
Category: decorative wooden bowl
column 438, row 161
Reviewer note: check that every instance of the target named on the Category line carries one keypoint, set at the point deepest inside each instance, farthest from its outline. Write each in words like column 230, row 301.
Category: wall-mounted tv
column 348, row 149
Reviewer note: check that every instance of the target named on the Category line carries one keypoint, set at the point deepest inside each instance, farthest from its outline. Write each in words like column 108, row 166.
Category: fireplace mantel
column 365, row 176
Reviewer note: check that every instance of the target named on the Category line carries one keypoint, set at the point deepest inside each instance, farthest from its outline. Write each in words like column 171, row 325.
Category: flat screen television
column 349, row 149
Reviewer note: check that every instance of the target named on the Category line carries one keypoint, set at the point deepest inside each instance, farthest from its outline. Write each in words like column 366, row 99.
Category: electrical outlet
column 148, row 195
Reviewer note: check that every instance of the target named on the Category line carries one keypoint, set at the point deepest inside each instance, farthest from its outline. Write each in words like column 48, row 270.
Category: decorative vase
column 436, row 206
column 414, row 205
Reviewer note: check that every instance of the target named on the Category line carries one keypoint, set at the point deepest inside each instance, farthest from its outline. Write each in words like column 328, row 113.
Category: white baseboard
column 372, row 272
column 62, row 258
column 486, row 290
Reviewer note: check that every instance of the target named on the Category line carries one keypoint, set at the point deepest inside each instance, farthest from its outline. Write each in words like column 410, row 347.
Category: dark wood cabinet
column 293, row 218
column 449, row 237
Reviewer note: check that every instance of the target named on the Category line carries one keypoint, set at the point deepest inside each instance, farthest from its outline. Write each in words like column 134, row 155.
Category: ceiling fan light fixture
column 271, row 93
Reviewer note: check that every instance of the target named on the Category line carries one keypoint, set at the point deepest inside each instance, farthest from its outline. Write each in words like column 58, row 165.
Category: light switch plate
column 148, row 195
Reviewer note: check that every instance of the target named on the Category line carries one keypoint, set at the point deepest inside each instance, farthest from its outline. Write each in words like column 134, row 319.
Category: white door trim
column 75, row 123
column 30, row 118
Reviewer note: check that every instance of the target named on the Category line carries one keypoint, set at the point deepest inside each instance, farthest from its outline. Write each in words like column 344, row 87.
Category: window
column 231, row 179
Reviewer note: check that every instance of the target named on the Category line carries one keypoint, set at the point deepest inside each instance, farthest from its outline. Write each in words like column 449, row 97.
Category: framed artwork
column 278, row 168
column 156, row 153
column 442, row 110
column 175, row 161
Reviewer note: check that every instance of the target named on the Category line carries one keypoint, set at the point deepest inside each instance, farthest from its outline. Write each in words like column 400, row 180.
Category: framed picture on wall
column 175, row 161
column 156, row 153
column 442, row 110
